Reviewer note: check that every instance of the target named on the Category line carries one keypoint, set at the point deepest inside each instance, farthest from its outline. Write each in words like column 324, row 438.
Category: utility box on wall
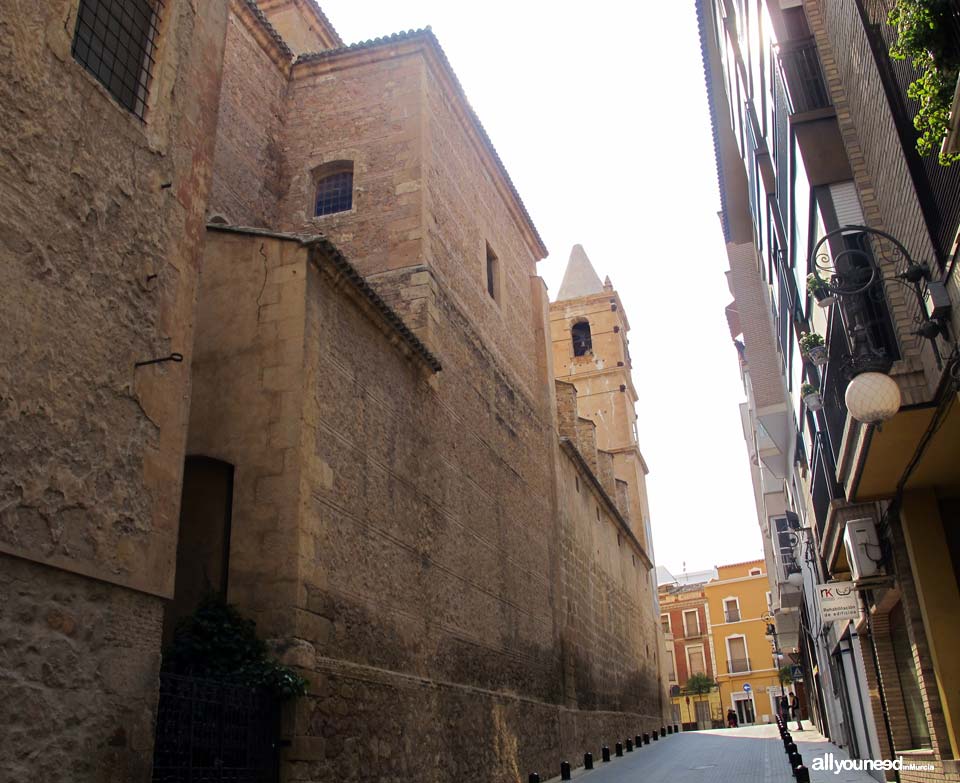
column 862, row 543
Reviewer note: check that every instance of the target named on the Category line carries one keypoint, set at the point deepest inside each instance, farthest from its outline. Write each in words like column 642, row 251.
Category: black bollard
column 534, row 777
column 619, row 749
column 638, row 741
column 791, row 748
column 663, row 731
column 605, row 753
column 588, row 761
column 565, row 770
column 676, row 728
column 669, row 728
column 653, row 734
column 646, row 738
column 795, row 761
column 787, row 739
column 802, row 774
column 629, row 743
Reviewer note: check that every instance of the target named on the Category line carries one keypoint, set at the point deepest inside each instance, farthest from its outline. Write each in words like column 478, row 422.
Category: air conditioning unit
column 862, row 543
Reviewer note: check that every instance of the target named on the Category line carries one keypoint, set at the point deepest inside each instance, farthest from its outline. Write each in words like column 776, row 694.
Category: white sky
column 599, row 113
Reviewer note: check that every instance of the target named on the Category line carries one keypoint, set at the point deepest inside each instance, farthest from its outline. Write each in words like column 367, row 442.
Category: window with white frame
column 665, row 622
column 696, row 664
column 737, row 658
column 691, row 622
column 731, row 610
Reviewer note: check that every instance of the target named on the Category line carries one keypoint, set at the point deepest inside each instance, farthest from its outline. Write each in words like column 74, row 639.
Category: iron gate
column 212, row 732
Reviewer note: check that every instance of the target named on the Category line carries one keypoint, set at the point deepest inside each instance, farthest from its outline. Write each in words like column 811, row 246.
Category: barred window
column 335, row 190
column 115, row 40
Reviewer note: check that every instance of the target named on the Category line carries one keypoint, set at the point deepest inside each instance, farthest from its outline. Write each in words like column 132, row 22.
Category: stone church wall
column 101, row 227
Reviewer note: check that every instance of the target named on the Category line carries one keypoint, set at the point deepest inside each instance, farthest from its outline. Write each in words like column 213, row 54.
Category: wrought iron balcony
column 803, row 76
column 738, row 665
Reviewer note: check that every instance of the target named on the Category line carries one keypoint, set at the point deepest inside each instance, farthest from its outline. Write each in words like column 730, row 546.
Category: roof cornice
column 264, row 33
column 333, row 39
column 424, row 42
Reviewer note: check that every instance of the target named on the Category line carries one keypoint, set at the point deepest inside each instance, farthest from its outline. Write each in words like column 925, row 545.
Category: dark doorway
column 203, row 546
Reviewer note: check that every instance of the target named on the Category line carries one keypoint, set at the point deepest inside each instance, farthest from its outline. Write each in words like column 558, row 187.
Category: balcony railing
column 803, row 76
column 737, row 665
column 731, row 616
column 692, row 633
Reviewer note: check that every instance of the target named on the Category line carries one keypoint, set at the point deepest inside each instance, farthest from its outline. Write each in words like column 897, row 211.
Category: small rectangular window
column 115, row 40
column 493, row 274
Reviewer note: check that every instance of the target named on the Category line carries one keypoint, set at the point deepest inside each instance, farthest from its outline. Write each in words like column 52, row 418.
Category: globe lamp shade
column 873, row 397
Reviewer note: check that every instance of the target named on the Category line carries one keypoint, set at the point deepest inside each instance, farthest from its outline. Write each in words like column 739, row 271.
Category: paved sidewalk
column 753, row 754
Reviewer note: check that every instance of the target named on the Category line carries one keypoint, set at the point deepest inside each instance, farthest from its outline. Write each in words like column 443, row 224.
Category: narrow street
column 753, row 754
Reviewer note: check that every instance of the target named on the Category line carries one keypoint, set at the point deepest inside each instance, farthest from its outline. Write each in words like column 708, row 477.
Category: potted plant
column 813, row 347
column 811, row 397
column 820, row 291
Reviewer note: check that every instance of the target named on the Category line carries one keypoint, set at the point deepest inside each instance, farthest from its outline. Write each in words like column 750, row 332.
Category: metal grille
column 211, row 732
column 335, row 193
column 800, row 68
column 115, row 41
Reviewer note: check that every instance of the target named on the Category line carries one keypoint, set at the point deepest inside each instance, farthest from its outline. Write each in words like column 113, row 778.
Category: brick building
column 349, row 424
column 686, row 630
column 816, row 153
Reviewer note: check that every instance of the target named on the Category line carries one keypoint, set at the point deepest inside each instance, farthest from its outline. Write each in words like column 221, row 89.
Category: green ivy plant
column 924, row 37
column 217, row 643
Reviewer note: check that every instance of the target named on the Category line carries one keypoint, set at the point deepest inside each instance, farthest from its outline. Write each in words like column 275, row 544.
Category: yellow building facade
column 746, row 672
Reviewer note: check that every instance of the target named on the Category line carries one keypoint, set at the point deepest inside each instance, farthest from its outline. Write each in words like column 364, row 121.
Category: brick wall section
column 566, row 410
column 883, row 181
column 412, row 293
column 248, row 161
column 606, row 604
column 79, row 676
column 587, row 442
column 367, row 111
column 464, row 210
column 896, row 712
column 754, row 310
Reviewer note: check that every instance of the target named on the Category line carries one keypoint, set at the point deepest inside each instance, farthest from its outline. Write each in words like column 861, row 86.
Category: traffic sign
column 746, row 687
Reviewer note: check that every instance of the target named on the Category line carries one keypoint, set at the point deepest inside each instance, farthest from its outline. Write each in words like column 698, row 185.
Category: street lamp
column 872, row 396
column 778, row 656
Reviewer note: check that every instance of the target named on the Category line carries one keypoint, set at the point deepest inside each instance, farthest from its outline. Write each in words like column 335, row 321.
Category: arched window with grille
column 334, row 188
column 582, row 342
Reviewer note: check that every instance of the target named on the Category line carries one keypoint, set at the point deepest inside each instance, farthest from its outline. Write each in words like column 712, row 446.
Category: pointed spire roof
column 580, row 279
